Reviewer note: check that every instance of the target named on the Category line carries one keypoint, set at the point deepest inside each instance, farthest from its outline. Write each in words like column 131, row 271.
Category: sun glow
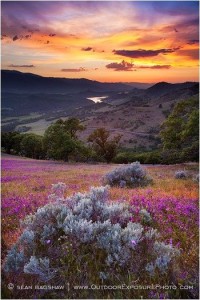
column 129, row 41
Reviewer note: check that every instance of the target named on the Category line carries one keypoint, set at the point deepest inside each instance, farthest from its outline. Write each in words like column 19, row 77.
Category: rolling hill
column 30, row 103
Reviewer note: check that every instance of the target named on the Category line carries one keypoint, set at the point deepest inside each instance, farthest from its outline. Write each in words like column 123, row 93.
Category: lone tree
column 60, row 139
column 105, row 147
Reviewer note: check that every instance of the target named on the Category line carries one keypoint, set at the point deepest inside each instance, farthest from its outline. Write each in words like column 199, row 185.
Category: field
column 172, row 203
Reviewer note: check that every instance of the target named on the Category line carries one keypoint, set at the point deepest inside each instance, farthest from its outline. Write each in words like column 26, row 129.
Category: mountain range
column 15, row 81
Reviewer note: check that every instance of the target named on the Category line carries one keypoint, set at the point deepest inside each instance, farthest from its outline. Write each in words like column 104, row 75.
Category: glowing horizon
column 103, row 41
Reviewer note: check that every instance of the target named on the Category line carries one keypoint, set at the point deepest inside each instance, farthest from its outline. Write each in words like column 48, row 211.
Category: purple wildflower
column 133, row 242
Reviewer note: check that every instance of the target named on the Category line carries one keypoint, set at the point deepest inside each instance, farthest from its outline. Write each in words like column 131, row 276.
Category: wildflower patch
column 89, row 233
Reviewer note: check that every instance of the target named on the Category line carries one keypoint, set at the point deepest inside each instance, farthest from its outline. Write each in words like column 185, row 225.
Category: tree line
column 60, row 142
column 179, row 134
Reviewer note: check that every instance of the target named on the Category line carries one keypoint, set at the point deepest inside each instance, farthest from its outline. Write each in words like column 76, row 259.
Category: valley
column 133, row 112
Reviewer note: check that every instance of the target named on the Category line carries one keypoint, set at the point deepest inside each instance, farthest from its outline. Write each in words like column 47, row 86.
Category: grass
column 26, row 184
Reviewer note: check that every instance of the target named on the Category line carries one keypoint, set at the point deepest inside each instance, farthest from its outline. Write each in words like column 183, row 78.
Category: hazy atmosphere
column 104, row 41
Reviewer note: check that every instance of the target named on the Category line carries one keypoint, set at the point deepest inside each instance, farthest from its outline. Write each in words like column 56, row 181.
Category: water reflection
column 97, row 99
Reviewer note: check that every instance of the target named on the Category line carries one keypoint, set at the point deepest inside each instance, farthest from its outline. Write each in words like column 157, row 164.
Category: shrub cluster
column 151, row 157
column 88, row 233
column 131, row 175
column 181, row 174
column 159, row 156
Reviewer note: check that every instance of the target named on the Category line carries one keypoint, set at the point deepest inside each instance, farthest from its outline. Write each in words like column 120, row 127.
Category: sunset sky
column 104, row 41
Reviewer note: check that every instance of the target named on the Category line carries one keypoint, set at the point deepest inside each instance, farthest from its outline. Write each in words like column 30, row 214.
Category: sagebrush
column 181, row 174
column 89, row 233
column 131, row 175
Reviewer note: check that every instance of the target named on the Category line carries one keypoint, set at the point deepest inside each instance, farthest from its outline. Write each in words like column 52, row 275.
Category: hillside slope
column 135, row 113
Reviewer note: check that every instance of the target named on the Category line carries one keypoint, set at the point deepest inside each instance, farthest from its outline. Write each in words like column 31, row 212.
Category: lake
column 97, row 99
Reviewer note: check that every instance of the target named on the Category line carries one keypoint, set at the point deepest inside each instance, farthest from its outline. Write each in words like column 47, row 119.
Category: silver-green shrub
column 181, row 174
column 87, row 231
column 131, row 175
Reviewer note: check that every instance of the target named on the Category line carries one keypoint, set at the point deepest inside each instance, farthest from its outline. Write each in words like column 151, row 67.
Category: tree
column 71, row 126
column 60, row 139
column 105, row 147
column 8, row 140
column 32, row 145
column 180, row 131
column 17, row 143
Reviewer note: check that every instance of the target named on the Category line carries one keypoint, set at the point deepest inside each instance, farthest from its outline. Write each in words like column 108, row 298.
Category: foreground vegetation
column 168, row 205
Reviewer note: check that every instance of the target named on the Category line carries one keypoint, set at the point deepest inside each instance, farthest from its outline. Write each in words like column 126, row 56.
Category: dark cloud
column 21, row 37
column 122, row 66
column 143, row 53
column 15, row 38
column 87, row 49
column 155, row 67
column 126, row 66
column 52, row 34
column 92, row 49
column 21, row 66
column 193, row 42
column 74, row 70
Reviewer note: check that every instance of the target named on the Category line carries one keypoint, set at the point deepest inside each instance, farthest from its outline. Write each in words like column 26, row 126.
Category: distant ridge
column 139, row 85
column 162, row 88
column 15, row 81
